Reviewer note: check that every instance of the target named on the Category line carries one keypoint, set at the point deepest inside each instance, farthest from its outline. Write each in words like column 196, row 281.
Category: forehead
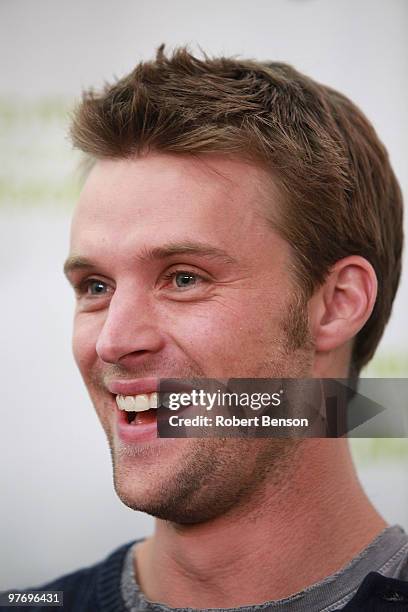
column 158, row 198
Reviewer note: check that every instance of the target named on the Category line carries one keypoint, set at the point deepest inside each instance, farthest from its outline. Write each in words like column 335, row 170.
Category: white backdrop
column 58, row 509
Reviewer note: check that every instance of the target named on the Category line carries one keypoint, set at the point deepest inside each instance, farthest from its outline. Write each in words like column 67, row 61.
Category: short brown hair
column 340, row 194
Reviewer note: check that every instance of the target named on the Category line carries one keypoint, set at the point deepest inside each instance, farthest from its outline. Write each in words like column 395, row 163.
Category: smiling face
column 178, row 274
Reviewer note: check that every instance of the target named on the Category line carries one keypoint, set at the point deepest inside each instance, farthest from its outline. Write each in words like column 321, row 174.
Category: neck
column 320, row 513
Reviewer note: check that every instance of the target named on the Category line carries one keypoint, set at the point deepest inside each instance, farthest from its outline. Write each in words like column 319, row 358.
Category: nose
column 130, row 330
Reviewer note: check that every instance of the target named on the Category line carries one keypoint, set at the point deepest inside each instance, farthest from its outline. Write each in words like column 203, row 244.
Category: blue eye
column 96, row 287
column 185, row 280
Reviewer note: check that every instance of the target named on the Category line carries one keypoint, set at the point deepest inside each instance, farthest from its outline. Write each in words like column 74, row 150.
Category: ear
column 343, row 304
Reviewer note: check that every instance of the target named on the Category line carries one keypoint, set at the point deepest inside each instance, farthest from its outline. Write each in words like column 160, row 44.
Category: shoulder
column 86, row 588
column 404, row 570
column 401, row 556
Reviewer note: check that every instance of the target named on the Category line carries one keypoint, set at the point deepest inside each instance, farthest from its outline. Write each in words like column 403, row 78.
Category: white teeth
column 141, row 403
column 128, row 402
column 136, row 403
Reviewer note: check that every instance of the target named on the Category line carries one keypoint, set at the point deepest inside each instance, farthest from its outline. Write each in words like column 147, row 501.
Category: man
column 239, row 220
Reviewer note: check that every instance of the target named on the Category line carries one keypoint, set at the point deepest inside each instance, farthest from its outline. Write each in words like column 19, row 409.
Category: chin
column 162, row 504
column 145, row 476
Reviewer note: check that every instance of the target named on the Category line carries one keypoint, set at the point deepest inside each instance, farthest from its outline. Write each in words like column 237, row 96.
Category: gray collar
column 387, row 555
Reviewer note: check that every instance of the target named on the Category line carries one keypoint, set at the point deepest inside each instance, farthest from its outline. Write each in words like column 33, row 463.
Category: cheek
column 221, row 334
column 84, row 339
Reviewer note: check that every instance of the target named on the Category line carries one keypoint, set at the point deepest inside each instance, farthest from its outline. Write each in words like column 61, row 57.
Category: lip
column 145, row 386
column 137, row 386
column 134, row 434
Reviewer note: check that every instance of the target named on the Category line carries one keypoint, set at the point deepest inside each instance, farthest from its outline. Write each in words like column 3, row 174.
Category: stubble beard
column 212, row 477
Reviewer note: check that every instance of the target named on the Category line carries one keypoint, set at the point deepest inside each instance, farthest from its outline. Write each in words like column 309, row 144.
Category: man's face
column 183, row 278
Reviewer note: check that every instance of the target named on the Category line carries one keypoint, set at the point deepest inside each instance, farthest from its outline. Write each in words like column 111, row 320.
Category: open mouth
column 138, row 409
column 130, row 416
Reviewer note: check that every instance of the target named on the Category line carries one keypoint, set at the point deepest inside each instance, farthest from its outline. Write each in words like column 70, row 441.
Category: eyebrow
column 77, row 262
